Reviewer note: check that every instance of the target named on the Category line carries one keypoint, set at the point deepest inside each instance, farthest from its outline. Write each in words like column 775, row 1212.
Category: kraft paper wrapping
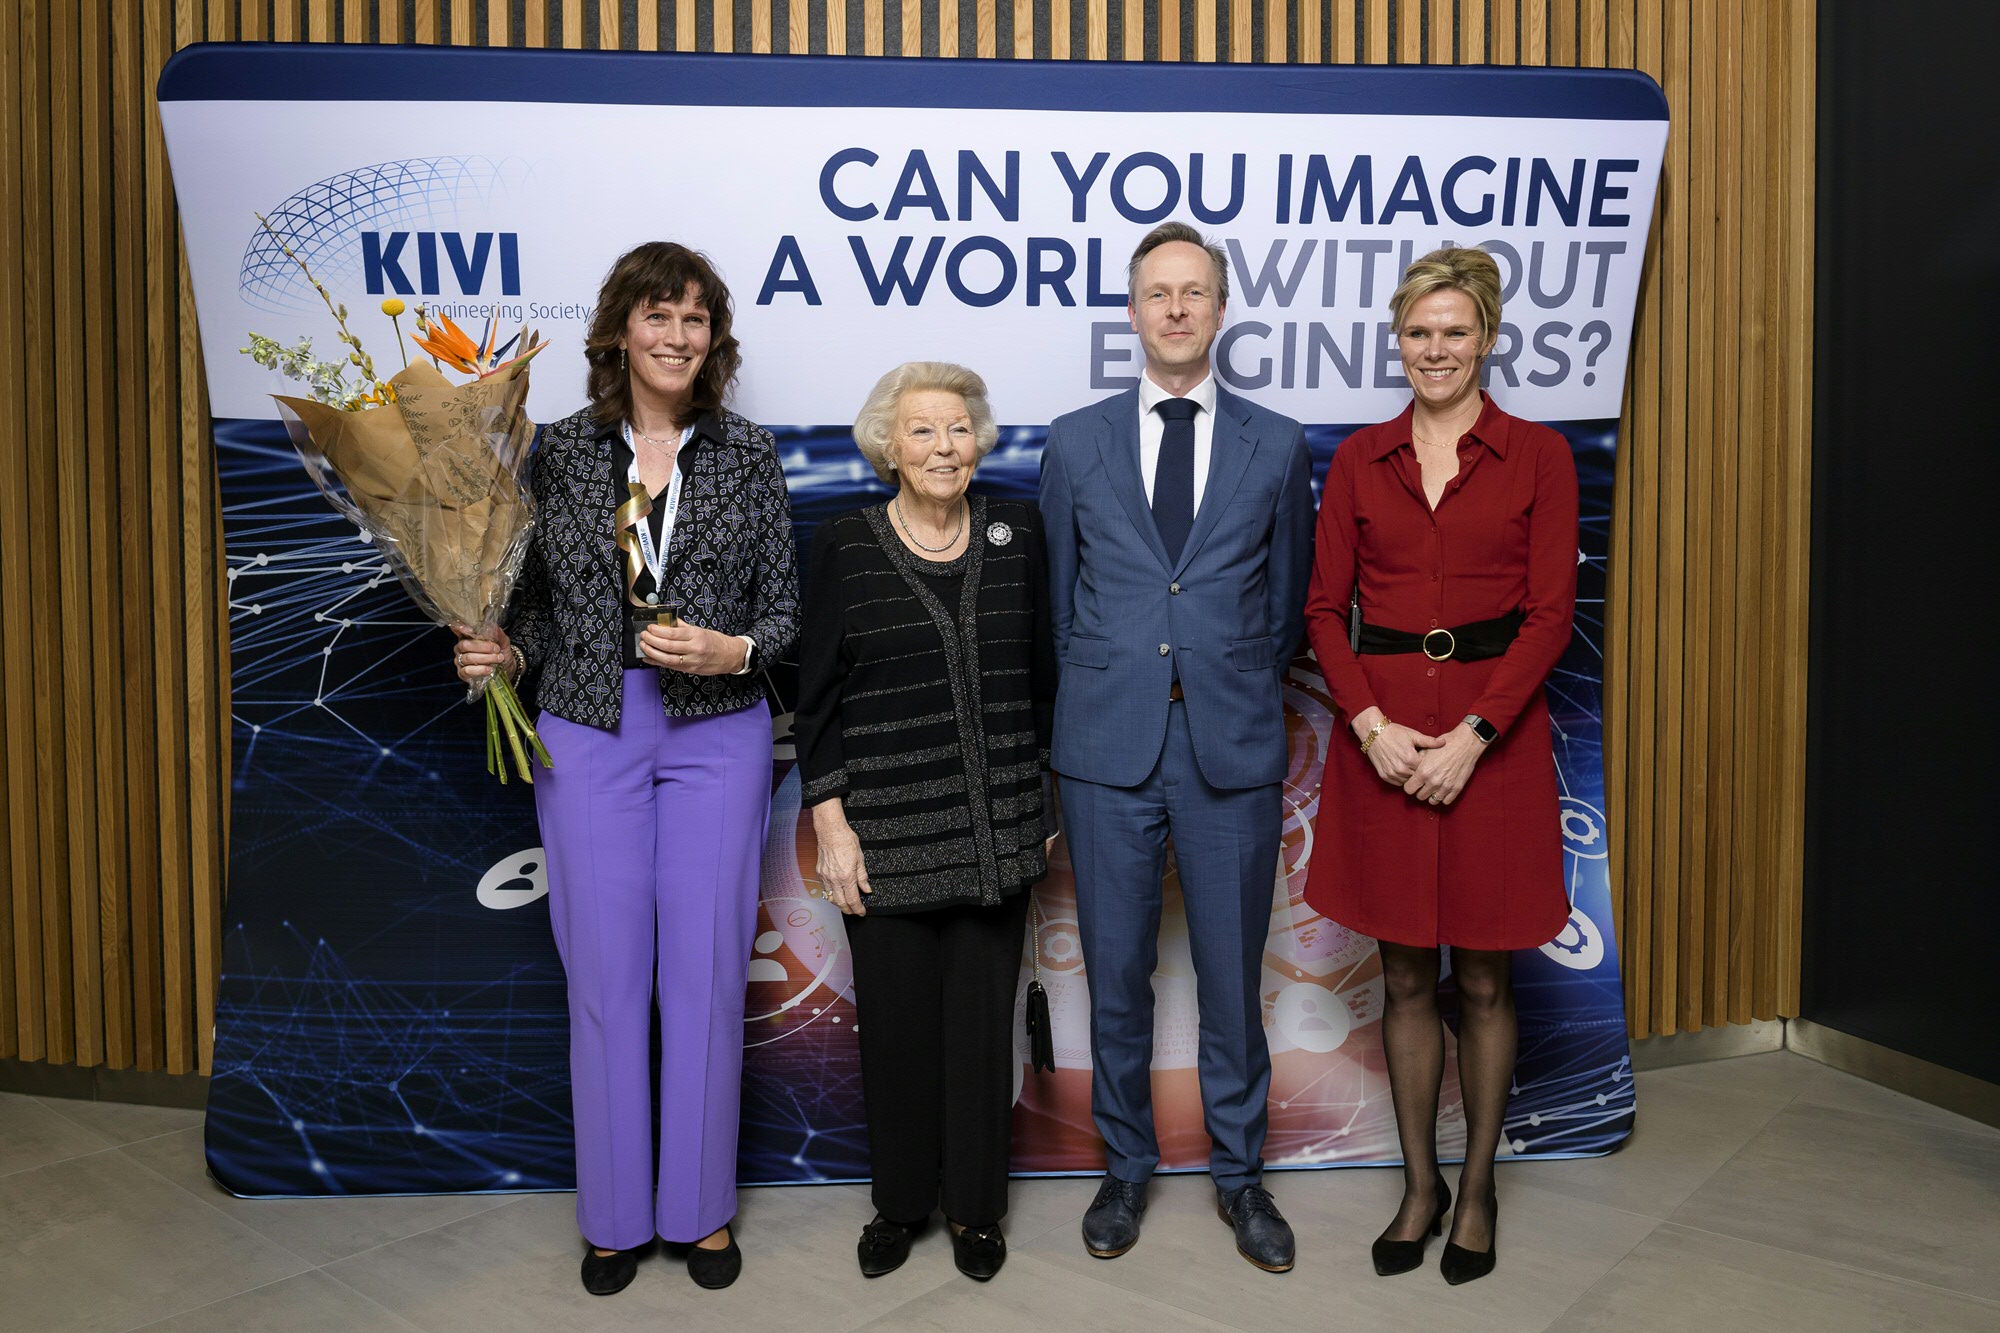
column 434, row 479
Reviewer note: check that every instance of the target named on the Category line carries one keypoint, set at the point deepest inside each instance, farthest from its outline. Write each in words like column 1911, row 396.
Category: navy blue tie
column 1173, row 478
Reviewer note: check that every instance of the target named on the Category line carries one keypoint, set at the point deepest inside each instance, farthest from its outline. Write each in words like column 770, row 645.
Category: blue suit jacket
column 1229, row 612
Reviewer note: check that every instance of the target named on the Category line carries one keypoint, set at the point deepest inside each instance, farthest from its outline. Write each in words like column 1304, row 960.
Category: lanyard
column 655, row 557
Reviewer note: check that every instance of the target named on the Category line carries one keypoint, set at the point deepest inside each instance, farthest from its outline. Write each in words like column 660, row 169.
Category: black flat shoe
column 715, row 1269
column 1460, row 1265
column 884, row 1245
column 609, row 1274
column 1403, row 1256
column 979, row 1251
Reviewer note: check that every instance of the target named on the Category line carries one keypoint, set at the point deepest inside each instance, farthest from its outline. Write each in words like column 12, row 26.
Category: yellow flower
column 392, row 307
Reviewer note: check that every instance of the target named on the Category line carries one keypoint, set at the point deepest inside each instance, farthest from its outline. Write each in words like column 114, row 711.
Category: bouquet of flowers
column 432, row 472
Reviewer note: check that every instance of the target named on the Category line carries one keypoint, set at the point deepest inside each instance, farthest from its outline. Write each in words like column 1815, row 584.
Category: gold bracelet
column 1373, row 732
column 520, row 661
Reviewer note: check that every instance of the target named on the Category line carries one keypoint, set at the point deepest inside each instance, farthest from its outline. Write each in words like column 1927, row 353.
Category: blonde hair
column 875, row 425
column 1456, row 269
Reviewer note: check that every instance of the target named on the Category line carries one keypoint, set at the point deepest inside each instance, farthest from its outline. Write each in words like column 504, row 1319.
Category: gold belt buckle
column 1450, row 645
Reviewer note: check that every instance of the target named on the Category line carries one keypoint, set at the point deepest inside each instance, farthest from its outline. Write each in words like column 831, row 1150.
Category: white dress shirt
column 1152, row 430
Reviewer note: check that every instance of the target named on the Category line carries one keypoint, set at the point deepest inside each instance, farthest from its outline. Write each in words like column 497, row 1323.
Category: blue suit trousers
column 1226, row 847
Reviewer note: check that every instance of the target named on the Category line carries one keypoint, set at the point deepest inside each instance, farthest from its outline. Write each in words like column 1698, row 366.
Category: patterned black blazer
column 732, row 565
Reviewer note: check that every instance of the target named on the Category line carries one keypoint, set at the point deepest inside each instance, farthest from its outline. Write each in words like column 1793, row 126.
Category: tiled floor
column 1760, row 1193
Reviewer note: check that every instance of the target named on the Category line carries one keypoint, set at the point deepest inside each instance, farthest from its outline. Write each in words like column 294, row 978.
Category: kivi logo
column 383, row 258
column 418, row 227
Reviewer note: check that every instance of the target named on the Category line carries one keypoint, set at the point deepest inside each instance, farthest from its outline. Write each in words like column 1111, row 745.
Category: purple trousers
column 654, row 834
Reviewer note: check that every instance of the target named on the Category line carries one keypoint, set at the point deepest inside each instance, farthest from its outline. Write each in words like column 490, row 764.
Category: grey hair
column 875, row 425
column 1166, row 234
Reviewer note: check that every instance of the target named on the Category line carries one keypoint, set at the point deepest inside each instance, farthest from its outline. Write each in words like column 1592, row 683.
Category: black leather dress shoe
column 1111, row 1227
column 979, row 1251
column 884, row 1245
column 1263, row 1236
column 609, row 1274
column 715, row 1269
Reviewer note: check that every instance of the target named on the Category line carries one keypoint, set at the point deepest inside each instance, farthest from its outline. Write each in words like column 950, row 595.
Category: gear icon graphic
column 1582, row 830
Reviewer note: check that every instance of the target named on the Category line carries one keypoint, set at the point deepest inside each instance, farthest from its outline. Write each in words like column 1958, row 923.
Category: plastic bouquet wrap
column 433, row 473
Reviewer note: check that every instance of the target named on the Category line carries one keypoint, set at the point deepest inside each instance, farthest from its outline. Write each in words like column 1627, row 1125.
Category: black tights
column 1413, row 1042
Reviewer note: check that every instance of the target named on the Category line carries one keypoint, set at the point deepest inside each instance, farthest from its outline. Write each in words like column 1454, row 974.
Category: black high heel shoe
column 1460, row 1265
column 1401, row 1256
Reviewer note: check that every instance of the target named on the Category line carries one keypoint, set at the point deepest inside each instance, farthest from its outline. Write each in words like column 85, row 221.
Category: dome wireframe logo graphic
column 327, row 223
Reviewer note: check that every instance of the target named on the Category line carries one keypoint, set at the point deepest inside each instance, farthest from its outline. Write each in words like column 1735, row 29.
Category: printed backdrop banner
column 391, row 1016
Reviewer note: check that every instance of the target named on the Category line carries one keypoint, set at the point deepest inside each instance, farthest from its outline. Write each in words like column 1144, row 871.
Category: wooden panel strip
column 646, row 34
column 1563, row 45
column 1505, row 21
column 1440, row 40
column 1240, row 49
column 1170, row 30
column 913, row 28
column 1059, row 28
column 28, row 1037
column 1375, row 32
column 1024, row 29
column 1534, row 38
column 1472, row 32
column 1346, row 23
column 871, row 26
column 103, row 632
column 1277, row 40
column 1204, row 31
column 1312, row 32
column 1409, row 31
column 948, row 44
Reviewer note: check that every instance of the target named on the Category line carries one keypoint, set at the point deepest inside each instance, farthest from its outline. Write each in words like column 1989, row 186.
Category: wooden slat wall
column 114, row 743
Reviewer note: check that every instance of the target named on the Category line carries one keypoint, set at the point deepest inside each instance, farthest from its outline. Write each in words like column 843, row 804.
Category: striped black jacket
column 929, row 713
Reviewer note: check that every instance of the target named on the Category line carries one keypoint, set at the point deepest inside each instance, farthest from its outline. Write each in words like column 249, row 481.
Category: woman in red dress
column 1443, row 589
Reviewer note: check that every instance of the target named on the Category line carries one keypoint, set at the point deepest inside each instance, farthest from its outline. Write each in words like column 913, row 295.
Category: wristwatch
column 1481, row 728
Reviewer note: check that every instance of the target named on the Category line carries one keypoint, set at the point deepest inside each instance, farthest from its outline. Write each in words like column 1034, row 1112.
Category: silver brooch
column 999, row 534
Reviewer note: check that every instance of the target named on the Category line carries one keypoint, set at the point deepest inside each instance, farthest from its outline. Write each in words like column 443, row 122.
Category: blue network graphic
column 380, row 1030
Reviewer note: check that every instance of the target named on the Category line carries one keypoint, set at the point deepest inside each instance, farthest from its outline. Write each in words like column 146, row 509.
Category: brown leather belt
column 1175, row 693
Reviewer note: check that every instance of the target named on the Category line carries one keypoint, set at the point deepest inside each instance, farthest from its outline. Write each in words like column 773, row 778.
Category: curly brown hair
column 658, row 271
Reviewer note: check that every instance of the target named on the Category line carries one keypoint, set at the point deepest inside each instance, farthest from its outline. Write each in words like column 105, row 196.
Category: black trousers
column 934, row 1000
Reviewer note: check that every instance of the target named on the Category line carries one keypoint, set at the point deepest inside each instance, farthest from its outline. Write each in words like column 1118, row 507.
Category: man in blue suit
column 1179, row 526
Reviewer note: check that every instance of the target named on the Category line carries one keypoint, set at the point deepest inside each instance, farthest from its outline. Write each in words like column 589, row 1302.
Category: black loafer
column 979, row 1251
column 1111, row 1227
column 609, row 1274
column 715, row 1269
column 884, row 1245
column 1262, row 1234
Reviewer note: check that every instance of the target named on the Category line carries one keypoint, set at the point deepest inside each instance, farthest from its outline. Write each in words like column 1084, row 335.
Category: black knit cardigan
column 930, row 717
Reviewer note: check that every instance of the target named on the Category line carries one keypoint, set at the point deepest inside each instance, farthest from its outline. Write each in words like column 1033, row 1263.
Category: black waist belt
column 1467, row 643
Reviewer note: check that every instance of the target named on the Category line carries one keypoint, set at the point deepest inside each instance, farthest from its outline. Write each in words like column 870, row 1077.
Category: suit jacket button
column 1174, row 588
column 1164, row 650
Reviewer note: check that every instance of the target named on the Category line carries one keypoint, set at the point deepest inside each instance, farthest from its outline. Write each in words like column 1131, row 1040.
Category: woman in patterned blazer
column 661, row 575
column 926, row 689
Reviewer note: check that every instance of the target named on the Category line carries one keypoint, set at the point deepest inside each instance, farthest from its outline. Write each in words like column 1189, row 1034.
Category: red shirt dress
column 1485, row 872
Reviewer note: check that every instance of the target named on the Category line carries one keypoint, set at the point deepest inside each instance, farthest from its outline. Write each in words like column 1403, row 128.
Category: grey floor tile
column 1844, row 1092
column 1889, row 1196
column 309, row 1303
column 320, row 1230
column 1551, row 1249
column 1691, row 1119
column 515, row 1267
column 123, row 1122
column 1678, row 1279
column 32, row 1135
column 1033, row 1293
column 100, row 1242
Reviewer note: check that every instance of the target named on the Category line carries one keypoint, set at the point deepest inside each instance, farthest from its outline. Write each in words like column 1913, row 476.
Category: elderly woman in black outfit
column 662, row 571
column 926, row 687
